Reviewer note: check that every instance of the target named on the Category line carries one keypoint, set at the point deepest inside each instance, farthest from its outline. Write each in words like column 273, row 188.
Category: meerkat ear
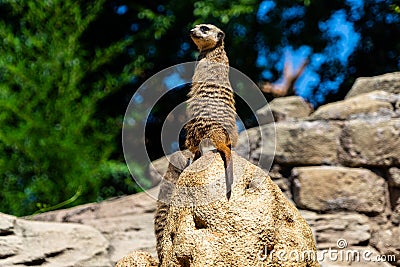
column 221, row 36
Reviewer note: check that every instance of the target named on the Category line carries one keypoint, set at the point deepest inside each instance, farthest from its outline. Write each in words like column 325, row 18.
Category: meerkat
column 211, row 107
column 211, row 104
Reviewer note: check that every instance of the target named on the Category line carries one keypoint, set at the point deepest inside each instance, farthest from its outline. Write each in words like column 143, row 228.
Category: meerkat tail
column 226, row 155
column 229, row 176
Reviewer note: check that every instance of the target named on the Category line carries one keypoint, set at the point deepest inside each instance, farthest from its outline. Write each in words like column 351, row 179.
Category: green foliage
column 160, row 23
column 395, row 8
column 118, row 181
column 54, row 148
column 224, row 11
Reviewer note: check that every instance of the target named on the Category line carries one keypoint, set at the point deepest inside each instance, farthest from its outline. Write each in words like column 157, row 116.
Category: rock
column 284, row 109
column 329, row 228
column 6, row 225
column 205, row 229
column 296, row 143
column 395, row 216
column 371, row 143
column 126, row 222
column 248, row 144
column 376, row 103
column 284, row 186
column 281, row 177
column 387, row 241
column 395, row 205
column 305, row 142
column 258, row 145
column 264, row 115
column 394, row 177
column 389, row 82
column 157, row 169
column 276, row 172
column 339, row 188
column 32, row 243
column 354, row 256
column 178, row 162
column 137, row 259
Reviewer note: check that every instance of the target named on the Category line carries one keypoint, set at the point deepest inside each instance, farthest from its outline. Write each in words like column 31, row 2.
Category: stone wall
column 340, row 164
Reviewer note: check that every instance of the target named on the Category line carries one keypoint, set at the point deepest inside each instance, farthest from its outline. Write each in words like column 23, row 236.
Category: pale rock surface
column 374, row 142
column 291, row 143
column 284, row 109
column 395, row 205
column 387, row 241
column 329, row 228
column 394, row 177
column 305, row 142
column 389, row 82
column 137, row 259
column 375, row 103
column 203, row 228
column 157, row 169
column 281, row 179
column 258, row 145
column 31, row 243
column 248, row 145
column 394, row 188
column 126, row 222
column 326, row 188
column 395, row 216
column 260, row 151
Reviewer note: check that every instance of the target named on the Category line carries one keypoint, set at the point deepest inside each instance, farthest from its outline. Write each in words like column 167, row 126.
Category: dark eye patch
column 204, row 28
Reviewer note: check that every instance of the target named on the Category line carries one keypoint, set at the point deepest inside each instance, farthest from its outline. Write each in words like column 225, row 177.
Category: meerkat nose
column 192, row 31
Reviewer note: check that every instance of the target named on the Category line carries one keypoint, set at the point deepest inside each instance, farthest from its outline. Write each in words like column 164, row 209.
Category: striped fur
column 211, row 104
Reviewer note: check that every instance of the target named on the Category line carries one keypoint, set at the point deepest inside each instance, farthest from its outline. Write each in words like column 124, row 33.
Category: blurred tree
column 55, row 147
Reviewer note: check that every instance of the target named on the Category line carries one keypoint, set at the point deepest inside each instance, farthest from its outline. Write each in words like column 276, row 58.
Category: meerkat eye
column 204, row 29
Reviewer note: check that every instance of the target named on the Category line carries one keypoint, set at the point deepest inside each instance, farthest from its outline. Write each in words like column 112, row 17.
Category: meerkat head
column 206, row 36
